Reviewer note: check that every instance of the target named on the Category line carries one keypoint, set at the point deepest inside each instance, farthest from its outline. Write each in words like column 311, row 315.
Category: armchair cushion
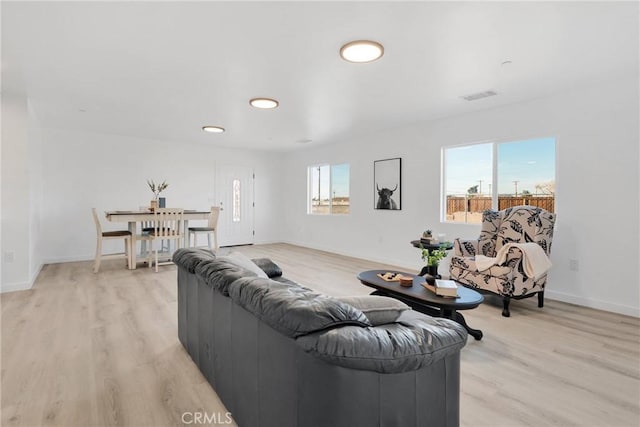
column 469, row 264
column 501, row 284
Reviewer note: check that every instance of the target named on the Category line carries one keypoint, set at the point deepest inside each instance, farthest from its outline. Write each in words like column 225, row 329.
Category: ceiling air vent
column 480, row 95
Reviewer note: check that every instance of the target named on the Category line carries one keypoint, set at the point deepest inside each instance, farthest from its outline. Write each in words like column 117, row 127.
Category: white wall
column 109, row 172
column 35, row 165
column 15, row 191
column 46, row 211
column 597, row 190
column 21, row 192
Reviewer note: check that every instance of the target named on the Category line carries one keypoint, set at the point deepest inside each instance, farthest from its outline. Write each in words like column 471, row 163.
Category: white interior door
column 234, row 190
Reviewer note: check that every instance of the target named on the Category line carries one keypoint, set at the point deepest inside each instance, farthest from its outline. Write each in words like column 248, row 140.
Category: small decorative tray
column 390, row 276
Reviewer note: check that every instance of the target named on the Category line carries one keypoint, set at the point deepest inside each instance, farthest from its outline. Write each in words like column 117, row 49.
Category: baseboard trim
column 13, row 287
column 387, row 261
column 22, row 286
column 592, row 303
column 76, row 258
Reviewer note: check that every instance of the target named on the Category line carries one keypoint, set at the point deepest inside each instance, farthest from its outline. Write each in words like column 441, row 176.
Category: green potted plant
column 432, row 258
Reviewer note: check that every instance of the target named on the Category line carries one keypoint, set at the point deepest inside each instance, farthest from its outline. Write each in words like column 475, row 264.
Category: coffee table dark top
column 468, row 298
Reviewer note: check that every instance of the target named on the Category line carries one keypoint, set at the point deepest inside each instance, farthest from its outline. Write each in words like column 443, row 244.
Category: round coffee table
column 425, row 301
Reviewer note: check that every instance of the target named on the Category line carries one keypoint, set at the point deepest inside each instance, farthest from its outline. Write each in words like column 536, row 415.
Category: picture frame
column 387, row 184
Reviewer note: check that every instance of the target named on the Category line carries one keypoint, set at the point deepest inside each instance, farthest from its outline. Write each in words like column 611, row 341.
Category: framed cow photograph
column 387, row 185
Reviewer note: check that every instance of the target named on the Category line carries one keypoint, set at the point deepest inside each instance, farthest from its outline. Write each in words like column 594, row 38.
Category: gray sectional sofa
column 280, row 354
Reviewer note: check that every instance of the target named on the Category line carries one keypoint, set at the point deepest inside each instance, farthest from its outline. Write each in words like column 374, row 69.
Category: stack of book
column 443, row 288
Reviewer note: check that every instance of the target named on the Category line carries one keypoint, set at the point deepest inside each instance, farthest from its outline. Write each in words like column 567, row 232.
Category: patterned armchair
column 519, row 224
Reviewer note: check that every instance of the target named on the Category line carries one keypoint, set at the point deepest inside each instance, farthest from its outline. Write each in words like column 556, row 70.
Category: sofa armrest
column 414, row 341
column 463, row 247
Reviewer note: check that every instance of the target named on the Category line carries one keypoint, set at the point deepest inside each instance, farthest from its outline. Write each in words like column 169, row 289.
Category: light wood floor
column 102, row 350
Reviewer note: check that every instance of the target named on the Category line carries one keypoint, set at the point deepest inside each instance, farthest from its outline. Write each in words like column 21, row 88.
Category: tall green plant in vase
column 432, row 258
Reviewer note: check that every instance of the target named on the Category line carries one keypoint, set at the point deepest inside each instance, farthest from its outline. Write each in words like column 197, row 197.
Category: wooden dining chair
column 110, row 235
column 167, row 225
column 211, row 230
column 143, row 237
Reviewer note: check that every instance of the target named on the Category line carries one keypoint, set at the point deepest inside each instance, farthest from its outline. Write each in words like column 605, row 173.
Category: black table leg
column 475, row 333
column 425, row 270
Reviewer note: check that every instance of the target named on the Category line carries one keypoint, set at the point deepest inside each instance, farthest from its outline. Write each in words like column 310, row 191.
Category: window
column 497, row 176
column 328, row 192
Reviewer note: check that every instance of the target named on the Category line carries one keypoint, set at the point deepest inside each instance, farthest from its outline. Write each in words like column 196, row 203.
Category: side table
column 430, row 247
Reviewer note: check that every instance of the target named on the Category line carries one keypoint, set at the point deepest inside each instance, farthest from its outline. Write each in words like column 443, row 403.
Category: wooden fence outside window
column 482, row 203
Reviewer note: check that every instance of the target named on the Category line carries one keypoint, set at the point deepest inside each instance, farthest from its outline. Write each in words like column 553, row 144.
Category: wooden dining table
column 134, row 217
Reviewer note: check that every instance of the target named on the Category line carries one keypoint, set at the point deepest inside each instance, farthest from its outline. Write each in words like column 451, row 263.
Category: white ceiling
column 162, row 70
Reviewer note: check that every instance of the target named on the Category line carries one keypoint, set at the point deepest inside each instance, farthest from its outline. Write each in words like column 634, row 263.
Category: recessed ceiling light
column 264, row 103
column 213, row 129
column 361, row 51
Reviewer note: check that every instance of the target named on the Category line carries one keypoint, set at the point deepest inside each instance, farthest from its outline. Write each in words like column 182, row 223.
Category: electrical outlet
column 9, row 256
column 574, row 265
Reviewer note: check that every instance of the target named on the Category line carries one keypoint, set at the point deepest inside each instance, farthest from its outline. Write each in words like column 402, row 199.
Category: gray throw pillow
column 244, row 262
column 270, row 268
column 378, row 309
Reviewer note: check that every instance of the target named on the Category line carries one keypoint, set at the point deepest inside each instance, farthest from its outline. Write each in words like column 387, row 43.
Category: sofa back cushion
column 293, row 310
column 190, row 258
column 220, row 273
